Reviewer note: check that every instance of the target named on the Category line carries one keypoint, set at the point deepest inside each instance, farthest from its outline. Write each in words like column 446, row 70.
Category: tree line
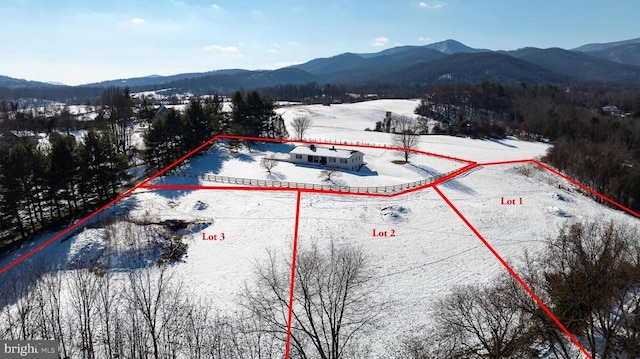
column 39, row 187
column 595, row 147
column 173, row 134
column 43, row 185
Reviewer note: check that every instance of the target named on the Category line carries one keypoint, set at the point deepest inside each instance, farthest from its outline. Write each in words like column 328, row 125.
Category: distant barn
column 330, row 157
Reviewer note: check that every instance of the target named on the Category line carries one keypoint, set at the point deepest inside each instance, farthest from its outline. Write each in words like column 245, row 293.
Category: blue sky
column 81, row 41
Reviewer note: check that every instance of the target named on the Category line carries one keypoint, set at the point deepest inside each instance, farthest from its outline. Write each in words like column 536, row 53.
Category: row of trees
column 172, row 134
column 595, row 147
column 587, row 276
column 254, row 116
column 38, row 187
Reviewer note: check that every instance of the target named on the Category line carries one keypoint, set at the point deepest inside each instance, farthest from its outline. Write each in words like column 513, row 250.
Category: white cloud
column 216, row 7
column 423, row 39
column 137, row 21
column 437, row 5
column 380, row 41
column 222, row 49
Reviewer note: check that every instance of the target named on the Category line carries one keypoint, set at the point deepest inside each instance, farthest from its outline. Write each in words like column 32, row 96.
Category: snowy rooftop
column 324, row 151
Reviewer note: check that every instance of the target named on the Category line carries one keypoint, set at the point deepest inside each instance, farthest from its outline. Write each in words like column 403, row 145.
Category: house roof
column 324, row 151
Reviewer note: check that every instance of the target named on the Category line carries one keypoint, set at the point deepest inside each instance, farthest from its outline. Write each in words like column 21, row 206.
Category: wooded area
column 43, row 186
column 598, row 148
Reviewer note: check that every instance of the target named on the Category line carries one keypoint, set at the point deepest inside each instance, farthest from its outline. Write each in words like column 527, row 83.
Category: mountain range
column 445, row 61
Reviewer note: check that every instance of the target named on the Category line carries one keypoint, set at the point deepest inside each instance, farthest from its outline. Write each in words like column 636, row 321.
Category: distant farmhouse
column 611, row 109
column 21, row 136
column 330, row 157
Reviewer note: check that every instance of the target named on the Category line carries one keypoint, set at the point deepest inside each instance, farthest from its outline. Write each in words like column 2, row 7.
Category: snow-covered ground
column 379, row 169
column 347, row 122
column 431, row 250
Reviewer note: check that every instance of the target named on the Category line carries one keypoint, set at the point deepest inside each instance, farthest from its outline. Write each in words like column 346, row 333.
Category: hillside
column 605, row 45
column 625, row 54
column 476, row 67
column 578, row 65
column 13, row 83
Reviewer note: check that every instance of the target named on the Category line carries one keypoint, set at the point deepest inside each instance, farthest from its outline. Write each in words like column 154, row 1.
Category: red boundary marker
column 66, row 231
column 557, row 173
column 470, row 166
column 380, row 147
column 181, row 159
column 294, row 255
column 511, row 162
column 514, row 274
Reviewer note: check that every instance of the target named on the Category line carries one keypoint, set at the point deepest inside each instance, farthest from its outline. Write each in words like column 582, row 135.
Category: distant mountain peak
column 451, row 46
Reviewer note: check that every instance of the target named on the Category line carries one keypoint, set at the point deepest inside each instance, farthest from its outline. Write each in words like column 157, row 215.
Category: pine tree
column 164, row 141
column 92, row 157
column 11, row 195
column 255, row 116
column 62, row 173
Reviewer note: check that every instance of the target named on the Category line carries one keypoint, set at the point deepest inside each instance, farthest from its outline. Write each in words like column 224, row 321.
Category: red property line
column 294, row 255
column 557, row 173
column 191, row 153
column 310, row 190
column 515, row 275
column 66, row 231
column 505, row 162
column 380, row 147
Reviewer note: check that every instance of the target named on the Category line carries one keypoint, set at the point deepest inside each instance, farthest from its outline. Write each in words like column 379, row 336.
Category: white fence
column 348, row 143
column 286, row 184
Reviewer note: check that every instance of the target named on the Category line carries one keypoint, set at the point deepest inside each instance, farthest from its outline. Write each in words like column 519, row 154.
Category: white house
column 611, row 109
column 350, row 160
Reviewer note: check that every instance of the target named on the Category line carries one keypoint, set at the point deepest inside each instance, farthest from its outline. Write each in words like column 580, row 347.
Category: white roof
column 324, row 151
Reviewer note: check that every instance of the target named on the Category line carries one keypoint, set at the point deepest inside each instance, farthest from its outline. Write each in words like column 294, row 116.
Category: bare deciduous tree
column 269, row 162
column 156, row 298
column 590, row 276
column 485, row 322
column 405, row 135
column 83, row 292
column 333, row 300
column 330, row 174
column 300, row 126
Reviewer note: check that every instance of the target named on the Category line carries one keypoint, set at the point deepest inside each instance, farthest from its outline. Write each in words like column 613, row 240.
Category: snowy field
column 381, row 167
column 431, row 251
column 347, row 122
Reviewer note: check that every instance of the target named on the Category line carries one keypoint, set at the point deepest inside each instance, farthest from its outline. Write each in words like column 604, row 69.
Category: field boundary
column 264, row 186
column 313, row 186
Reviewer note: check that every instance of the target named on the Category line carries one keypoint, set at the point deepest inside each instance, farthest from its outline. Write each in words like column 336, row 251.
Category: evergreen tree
column 213, row 108
column 62, row 173
column 11, row 195
column 164, row 140
column 91, row 156
column 255, row 116
column 197, row 125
